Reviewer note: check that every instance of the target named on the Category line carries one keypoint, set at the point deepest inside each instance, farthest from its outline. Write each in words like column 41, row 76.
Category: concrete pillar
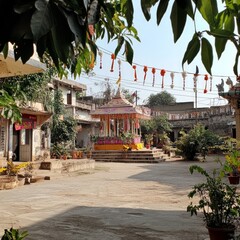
column 237, row 117
column 234, row 103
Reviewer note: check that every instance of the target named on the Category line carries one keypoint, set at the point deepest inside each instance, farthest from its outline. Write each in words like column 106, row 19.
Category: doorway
column 15, row 145
column 22, row 145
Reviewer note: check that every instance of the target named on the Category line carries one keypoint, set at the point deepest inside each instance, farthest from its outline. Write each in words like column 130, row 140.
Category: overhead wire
column 167, row 70
column 137, row 85
column 146, row 87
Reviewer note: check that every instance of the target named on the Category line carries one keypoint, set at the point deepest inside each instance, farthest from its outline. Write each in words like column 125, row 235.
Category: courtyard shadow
column 176, row 174
column 101, row 223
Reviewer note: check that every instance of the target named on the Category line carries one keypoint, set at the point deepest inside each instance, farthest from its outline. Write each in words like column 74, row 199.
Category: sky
column 157, row 49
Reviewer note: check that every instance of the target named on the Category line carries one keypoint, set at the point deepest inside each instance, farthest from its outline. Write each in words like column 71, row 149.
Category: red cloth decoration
column 206, row 79
column 145, row 69
column 135, row 72
column 162, row 73
column 153, row 72
column 113, row 58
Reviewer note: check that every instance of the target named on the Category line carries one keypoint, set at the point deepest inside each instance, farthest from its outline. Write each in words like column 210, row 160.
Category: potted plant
column 14, row 234
column 219, row 203
column 231, row 166
column 88, row 151
column 148, row 139
column 55, row 151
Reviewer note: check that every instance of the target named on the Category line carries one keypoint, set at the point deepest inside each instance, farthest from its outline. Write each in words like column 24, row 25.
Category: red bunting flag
column 112, row 66
column 206, row 79
column 162, row 73
column 145, row 69
column 135, row 72
column 153, row 72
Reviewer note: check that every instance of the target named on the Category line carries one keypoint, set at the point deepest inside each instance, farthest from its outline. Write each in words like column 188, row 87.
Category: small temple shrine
column 119, row 124
column 233, row 97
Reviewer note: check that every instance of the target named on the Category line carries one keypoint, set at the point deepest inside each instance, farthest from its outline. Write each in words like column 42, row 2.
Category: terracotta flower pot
column 233, row 179
column 223, row 233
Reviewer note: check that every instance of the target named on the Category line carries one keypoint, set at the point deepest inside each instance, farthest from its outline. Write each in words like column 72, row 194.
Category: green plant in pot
column 219, row 203
column 14, row 234
column 231, row 166
column 149, row 139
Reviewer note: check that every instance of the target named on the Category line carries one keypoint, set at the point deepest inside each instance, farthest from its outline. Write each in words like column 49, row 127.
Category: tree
column 162, row 98
column 19, row 89
column 42, row 22
column 10, row 110
column 62, row 130
column 156, row 126
column 131, row 97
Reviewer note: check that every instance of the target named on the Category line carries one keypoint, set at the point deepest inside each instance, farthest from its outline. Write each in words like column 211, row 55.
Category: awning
column 9, row 67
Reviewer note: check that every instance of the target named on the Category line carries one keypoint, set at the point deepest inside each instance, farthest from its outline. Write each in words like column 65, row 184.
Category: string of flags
column 208, row 85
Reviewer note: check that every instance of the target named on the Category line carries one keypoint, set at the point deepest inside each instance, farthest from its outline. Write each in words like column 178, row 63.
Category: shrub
column 198, row 140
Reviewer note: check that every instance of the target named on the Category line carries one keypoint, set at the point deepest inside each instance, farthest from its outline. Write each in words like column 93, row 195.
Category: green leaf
column 208, row 10
column 146, row 12
column 221, row 33
column 189, row 8
column 235, row 67
column 207, row 55
column 129, row 12
column 192, row 49
column 146, row 7
column 5, row 50
column 42, row 19
column 78, row 30
column 162, row 7
column 62, row 45
column 119, row 46
column 128, row 52
column 178, row 20
column 41, row 46
column 220, row 44
column 52, row 51
column 23, row 6
column 24, row 50
column 229, row 22
column 27, row 51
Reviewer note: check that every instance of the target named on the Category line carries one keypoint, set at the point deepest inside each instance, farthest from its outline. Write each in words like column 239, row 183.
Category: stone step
column 127, row 155
column 131, row 160
column 69, row 165
column 140, row 156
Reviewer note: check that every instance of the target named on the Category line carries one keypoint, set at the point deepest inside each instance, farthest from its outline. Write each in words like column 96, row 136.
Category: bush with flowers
column 13, row 169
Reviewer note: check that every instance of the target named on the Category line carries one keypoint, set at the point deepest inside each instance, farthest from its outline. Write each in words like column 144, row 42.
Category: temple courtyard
column 114, row 201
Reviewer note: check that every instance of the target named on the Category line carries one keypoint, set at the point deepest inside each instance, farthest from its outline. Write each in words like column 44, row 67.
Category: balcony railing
column 83, row 105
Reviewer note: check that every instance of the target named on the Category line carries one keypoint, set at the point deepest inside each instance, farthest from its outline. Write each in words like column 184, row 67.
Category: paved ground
column 115, row 201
